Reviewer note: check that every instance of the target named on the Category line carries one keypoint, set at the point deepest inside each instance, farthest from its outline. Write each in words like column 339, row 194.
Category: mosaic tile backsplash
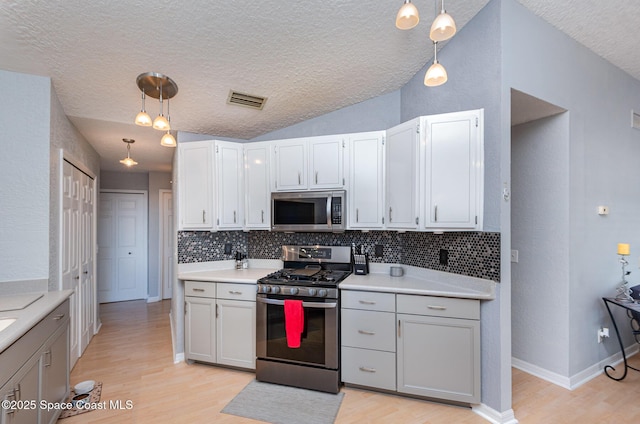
column 476, row 254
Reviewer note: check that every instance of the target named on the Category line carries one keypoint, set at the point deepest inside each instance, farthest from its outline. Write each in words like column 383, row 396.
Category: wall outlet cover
column 444, row 257
column 227, row 248
column 379, row 250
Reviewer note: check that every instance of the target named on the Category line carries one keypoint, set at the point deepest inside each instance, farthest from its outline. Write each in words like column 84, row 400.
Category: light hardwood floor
column 132, row 357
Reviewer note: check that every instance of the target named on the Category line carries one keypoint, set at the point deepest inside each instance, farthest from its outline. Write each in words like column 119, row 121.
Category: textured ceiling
column 307, row 58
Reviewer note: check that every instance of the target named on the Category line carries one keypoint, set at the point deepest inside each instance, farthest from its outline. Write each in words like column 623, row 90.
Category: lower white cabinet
column 426, row 346
column 41, row 361
column 220, row 323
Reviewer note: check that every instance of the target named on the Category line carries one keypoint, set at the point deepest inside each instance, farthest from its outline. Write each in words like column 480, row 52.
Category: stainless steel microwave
column 308, row 211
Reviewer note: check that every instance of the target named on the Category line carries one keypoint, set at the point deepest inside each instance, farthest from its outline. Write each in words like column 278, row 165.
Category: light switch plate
column 514, row 256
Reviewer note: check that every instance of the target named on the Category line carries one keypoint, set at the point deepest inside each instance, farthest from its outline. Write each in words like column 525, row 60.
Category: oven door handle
column 315, row 305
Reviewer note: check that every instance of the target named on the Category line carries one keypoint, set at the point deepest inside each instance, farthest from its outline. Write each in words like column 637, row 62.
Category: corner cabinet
column 402, row 164
column 452, row 176
column 257, row 188
column 220, row 323
column 210, row 175
column 366, row 180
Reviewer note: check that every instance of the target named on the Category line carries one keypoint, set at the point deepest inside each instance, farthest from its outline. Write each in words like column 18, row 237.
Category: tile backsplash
column 476, row 254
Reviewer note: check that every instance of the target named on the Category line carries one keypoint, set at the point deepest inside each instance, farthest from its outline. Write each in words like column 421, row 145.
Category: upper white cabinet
column 326, row 159
column 452, row 174
column 228, row 178
column 257, row 189
column 210, row 185
column 290, row 164
column 402, row 161
column 315, row 163
column 365, row 196
column 195, row 181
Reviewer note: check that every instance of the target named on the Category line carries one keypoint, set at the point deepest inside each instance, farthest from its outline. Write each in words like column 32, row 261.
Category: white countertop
column 28, row 317
column 421, row 281
column 244, row 276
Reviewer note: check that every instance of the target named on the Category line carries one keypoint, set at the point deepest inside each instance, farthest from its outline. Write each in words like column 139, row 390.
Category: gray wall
column 540, row 233
column 24, row 175
column 603, row 170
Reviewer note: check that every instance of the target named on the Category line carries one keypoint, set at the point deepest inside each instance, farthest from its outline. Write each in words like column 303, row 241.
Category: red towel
column 293, row 322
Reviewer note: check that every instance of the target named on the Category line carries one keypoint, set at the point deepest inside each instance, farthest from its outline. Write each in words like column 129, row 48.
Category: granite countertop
column 29, row 316
column 421, row 281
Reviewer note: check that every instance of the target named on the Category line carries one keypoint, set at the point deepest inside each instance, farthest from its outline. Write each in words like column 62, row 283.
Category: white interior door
column 166, row 243
column 86, row 307
column 122, row 246
column 70, row 268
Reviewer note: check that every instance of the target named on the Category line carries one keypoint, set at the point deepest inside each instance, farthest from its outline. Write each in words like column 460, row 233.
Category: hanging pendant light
column 436, row 74
column 443, row 26
column 407, row 16
column 143, row 118
column 168, row 140
column 161, row 87
column 128, row 161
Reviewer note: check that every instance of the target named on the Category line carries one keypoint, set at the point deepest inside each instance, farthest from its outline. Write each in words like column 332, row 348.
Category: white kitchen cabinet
column 220, row 323
column 365, row 197
column 229, row 196
column 438, row 347
column 401, row 170
column 23, row 386
column 195, row 182
column 452, row 174
column 368, row 339
column 257, row 188
column 326, row 162
column 290, row 164
column 54, row 373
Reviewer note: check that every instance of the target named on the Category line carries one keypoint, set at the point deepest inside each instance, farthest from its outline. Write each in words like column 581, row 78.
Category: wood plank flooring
column 132, row 356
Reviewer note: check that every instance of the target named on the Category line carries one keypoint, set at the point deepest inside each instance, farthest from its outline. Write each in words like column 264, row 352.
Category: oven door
column 319, row 344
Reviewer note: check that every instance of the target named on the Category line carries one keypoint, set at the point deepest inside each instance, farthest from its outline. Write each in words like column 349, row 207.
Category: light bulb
column 128, row 161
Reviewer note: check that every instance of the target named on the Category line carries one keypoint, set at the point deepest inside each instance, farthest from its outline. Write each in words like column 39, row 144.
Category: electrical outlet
column 602, row 333
column 444, row 257
column 603, row 210
column 379, row 250
column 227, row 248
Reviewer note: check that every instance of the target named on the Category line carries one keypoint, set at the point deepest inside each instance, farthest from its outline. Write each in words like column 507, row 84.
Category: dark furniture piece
column 633, row 312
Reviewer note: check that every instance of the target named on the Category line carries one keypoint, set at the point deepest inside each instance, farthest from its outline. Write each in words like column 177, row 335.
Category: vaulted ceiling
column 308, row 58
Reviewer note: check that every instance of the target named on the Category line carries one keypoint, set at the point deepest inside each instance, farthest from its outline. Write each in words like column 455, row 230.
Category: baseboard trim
column 153, row 299
column 493, row 416
column 578, row 379
column 177, row 357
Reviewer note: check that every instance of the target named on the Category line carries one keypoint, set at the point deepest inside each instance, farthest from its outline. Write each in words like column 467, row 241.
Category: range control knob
column 312, row 292
column 266, row 289
column 293, row 290
column 275, row 289
column 322, row 293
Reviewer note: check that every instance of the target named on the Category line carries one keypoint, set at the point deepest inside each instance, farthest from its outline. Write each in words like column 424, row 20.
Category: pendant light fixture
column 159, row 87
column 443, row 26
column 143, row 118
column 436, row 74
column 407, row 16
column 128, row 161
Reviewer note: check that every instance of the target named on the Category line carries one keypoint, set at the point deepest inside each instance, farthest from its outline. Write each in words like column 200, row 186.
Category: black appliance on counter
column 311, row 274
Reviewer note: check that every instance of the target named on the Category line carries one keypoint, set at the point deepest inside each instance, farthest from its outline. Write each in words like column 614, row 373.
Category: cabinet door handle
column 390, row 210
column 316, row 177
column 367, row 333
column 357, row 215
column 234, row 217
column 216, row 310
column 77, row 277
column 399, row 331
column 437, row 307
column 203, row 220
column 367, row 302
column 58, row 317
column 10, row 397
column 262, row 215
column 435, row 213
column 17, row 392
column 234, row 292
column 299, row 181
column 198, row 290
column 367, row 369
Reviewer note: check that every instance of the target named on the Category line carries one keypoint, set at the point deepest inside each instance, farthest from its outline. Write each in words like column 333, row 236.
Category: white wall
column 540, row 232
column 24, row 176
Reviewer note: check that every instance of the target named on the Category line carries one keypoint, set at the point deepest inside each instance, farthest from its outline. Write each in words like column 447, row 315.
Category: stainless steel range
column 309, row 282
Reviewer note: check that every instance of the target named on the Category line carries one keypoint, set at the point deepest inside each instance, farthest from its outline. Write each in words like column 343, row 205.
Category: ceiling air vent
column 635, row 120
column 247, row 100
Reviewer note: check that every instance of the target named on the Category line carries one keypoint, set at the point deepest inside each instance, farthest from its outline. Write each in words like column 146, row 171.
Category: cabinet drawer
column 236, row 291
column 438, row 306
column 371, row 368
column 200, row 289
column 371, row 301
column 369, row 329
